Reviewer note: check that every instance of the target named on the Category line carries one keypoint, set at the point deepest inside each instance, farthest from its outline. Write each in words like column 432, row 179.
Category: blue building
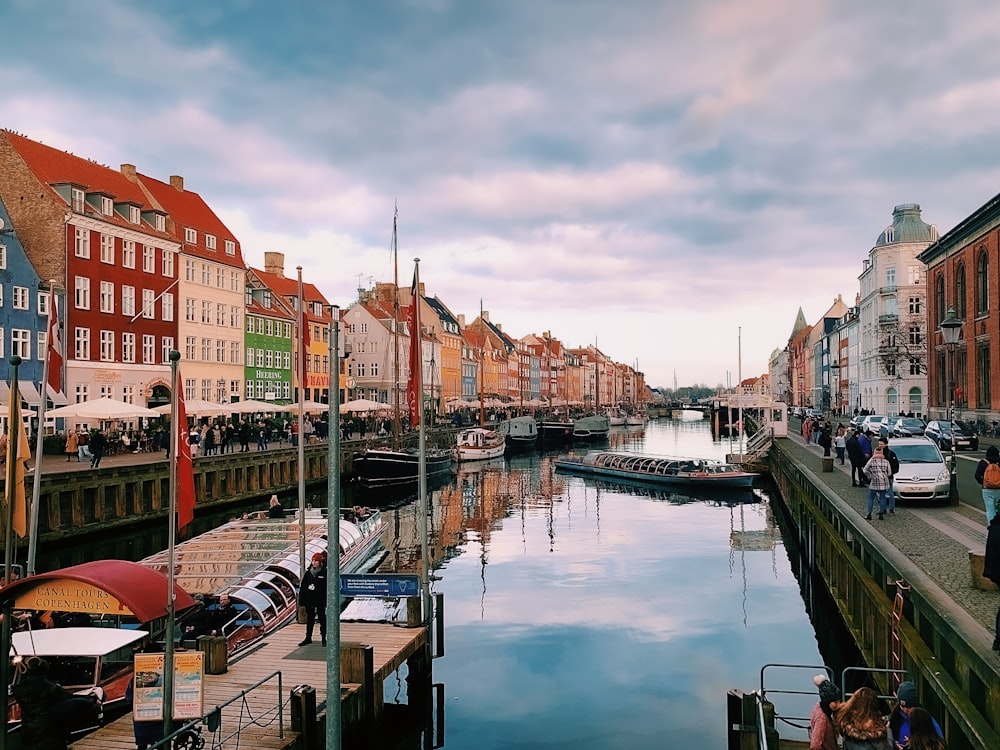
column 24, row 311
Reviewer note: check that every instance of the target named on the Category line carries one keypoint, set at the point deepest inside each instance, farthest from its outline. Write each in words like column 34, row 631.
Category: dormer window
column 267, row 299
column 77, row 200
column 230, row 247
column 160, row 223
column 318, row 309
column 107, row 205
column 134, row 215
column 190, row 236
column 210, row 241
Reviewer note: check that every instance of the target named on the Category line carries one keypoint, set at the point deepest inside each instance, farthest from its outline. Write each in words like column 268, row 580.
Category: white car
column 923, row 474
column 872, row 422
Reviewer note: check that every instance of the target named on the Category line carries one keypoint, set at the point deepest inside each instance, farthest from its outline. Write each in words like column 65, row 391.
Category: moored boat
column 378, row 467
column 664, row 471
column 519, row 432
column 591, row 428
column 478, row 444
column 555, row 430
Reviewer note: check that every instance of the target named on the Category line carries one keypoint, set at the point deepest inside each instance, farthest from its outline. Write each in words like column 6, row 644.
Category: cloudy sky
column 671, row 179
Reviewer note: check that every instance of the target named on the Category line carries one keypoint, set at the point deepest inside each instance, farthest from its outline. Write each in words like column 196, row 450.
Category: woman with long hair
column 923, row 733
column 860, row 722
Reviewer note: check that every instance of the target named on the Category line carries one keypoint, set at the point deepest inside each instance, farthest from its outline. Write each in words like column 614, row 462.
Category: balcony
column 887, row 291
column 888, row 319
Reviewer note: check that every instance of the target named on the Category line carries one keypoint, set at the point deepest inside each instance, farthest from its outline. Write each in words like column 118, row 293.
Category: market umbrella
column 198, row 406
column 102, row 408
column 250, row 406
column 362, row 405
column 307, row 406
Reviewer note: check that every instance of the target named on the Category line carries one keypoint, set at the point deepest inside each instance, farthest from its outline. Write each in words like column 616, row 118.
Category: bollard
column 827, row 464
column 303, row 709
column 216, row 651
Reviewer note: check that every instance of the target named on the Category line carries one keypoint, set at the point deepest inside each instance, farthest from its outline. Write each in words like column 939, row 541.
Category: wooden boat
column 555, row 430
column 662, row 471
column 478, row 444
column 519, row 432
column 591, row 428
column 255, row 561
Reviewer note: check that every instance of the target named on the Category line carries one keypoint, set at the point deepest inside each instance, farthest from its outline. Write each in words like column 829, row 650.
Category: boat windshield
column 73, row 671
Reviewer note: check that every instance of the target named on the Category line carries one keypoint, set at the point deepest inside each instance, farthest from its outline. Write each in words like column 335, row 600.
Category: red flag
column 55, row 348
column 413, row 385
column 185, row 466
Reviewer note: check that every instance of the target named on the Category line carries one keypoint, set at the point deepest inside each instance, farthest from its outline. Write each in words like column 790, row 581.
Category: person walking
column 98, row 444
column 825, row 441
column 991, row 569
column 71, row 445
column 83, row 446
column 859, row 721
column 890, row 456
column 879, row 472
column 312, row 596
column 840, row 443
column 988, row 476
column 857, row 458
column 901, row 716
column 822, row 735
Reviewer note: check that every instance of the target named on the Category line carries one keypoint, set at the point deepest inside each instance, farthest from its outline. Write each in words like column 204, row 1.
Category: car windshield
column 918, row 454
column 909, row 423
column 963, row 426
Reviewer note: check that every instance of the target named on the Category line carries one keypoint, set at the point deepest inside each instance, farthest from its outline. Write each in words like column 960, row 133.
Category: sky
column 670, row 180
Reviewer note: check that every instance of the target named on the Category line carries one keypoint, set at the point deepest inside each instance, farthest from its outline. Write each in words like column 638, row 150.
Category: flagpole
column 13, row 412
column 334, row 718
column 36, row 487
column 301, row 443
column 425, row 591
column 168, row 641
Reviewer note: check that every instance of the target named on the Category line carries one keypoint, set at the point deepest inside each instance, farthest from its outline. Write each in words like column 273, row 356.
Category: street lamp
column 951, row 327
column 835, row 370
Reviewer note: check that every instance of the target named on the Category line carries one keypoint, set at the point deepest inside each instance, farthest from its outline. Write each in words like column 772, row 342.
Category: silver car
column 923, row 474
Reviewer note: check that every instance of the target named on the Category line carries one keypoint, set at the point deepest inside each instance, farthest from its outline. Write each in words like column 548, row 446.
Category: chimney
column 177, row 183
column 274, row 262
column 129, row 171
column 485, row 314
column 461, row 321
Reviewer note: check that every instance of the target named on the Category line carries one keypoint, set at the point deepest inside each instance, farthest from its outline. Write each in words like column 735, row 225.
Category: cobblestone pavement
column 937, row 539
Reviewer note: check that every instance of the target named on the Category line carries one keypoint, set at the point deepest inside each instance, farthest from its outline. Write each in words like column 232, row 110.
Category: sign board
column 189, row 691
column 391, row 584
column 68, row 595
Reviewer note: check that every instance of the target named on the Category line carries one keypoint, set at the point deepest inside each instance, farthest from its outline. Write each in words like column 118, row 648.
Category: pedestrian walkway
column 937, row 539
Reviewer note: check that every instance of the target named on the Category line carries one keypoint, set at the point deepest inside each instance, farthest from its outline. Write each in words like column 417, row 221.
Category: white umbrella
column 102, row 408
column 197, row 406
column 362, row 405
column 251, row 406
column 307, row 406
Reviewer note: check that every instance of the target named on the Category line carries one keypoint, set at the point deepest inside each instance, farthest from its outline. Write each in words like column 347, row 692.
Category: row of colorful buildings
column 918, row 337
column 139, row 267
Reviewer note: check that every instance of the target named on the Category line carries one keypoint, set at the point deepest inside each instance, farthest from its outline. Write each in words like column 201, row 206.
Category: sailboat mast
column 482, row 346
column 395, row 334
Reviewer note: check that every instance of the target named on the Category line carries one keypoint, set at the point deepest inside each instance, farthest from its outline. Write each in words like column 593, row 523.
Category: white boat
column 634, row 420
column 478, row 444
column 616, row 417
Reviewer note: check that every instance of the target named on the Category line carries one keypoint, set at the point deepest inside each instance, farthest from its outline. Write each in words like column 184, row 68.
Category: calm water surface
column 587, row 616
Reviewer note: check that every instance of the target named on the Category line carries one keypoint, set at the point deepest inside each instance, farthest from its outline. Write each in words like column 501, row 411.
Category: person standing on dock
column 312, row 596
column 859, row 721
column 71, row 441
column 822, row 735
column 857, row 459
column 883, row 443
column 991, row 569
column 991, row 483
column 840, row 443
column 902, row 714
column 879, row 474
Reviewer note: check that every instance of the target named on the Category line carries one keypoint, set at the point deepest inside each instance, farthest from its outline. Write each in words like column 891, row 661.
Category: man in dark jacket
column 312, row 596
column 857, row 458
column 48, row 712
column 991, row 568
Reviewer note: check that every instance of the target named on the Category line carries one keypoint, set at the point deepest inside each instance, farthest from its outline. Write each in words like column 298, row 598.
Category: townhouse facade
column 268, row 345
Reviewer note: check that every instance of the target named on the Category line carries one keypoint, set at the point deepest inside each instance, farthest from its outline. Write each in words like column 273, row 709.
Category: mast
column 395, row 333
column 482, row 404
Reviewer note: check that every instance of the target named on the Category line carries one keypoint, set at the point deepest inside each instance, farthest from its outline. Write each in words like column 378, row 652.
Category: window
column 107, row 205
column 220, row 277
column 269, row 359
column 260, row 358
column 915, row 368
column 960, row 290
column 107, row 346
column 21, row 298
column 210, row 241
column 3, row 256
column 167, row 307
column 939, row 310
column 267, row 299
column 206, row 350
column 168, row 346
column 916, row 304
column 190, row 347
column 189, row 272
column 134, row 214
column 77, row 199
column 149, row 259
column 234, row 355
column 234, row 281
column 374, row 369
column 230, row 247
column 250, row 390
column 82, row 393
column 160, row 222
column 148, row 299
column 82, row 293
column 107, row 248
column 82, row 242
column 107, row 297
column 982, row 283
column 220, row 314
column 189, row 309
column 20, row 343
column 269, row 327
column 41, row 342
column 983, row 397
column 128, row 394
column 128, row 347
column 206, row 311
column 148, row 349
column 189, row 386
column 128, row 253
column 249, row 324
column 206, row 389
column 361, row 369
column 206, row 274
column 220, row 350
column 234, row 316
column 81, row 343
column 286, row 360
column 250, row 355
column 167, row 265
column 916, row 335
column 128, row 300
column 107, row 391
column 190, row 236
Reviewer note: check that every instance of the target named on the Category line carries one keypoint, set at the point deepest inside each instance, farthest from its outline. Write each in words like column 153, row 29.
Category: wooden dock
column 253, row 721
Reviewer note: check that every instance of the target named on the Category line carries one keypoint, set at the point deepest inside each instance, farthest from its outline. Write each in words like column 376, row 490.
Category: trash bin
column 216, row 652
column 303, row 708
column 827, row 463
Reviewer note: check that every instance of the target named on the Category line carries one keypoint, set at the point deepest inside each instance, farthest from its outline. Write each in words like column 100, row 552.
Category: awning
column 58, row 398
column 29, row 393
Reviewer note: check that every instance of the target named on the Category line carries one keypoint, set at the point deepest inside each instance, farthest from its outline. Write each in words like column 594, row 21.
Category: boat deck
column 392, row 646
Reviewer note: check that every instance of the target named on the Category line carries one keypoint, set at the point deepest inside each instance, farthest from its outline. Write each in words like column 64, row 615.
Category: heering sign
column 65, row 595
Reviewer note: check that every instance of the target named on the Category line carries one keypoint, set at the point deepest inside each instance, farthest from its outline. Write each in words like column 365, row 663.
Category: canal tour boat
column 658, row 470
column 479, row 444
column 255, row 561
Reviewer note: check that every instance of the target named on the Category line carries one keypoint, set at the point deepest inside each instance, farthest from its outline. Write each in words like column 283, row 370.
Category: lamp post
column 951, row 327
column 835, row 370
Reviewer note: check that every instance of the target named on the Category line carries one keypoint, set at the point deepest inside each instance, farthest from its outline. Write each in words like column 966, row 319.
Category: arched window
column 939, row 310
column 960, row 291
column 982, row 283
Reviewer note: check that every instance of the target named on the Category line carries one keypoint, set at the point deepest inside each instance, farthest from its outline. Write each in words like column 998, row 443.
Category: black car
column 907, row 427
column 940, row 432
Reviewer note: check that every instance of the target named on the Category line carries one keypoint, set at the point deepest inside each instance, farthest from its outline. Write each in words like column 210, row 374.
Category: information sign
column 189, row 694
column 390, row 584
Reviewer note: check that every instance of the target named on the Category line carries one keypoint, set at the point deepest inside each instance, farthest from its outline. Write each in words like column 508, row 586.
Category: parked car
column 857, row 421
column 939, row 430
column 907, row 427
column 923, row 473
column 871, row 423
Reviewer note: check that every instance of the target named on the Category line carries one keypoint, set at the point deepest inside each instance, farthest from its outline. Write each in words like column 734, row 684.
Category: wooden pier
column 253, row 721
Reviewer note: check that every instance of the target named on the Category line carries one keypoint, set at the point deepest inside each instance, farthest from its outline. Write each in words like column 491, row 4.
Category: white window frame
column 107, row 248
column 148, row 349
column 167, row 265
column 128, row 347
column 107, row 297
column 20, row 343
column 107, row 346
column 128, row 254
column 148, row 259
column 21, row 299
column 190, row 236
column 148, row 303
column 81, row 242
column 81, row 293
column 128, row 300
column 167, row 310
column 81, row 343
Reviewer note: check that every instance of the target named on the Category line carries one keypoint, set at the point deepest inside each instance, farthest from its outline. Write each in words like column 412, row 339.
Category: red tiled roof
column 188, row 209
column 288, row 288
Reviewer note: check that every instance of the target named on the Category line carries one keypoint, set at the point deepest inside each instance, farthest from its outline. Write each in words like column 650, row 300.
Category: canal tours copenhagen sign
column 66, row 595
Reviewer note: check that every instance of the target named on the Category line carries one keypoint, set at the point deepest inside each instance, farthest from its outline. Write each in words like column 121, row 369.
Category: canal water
column 597, row 616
